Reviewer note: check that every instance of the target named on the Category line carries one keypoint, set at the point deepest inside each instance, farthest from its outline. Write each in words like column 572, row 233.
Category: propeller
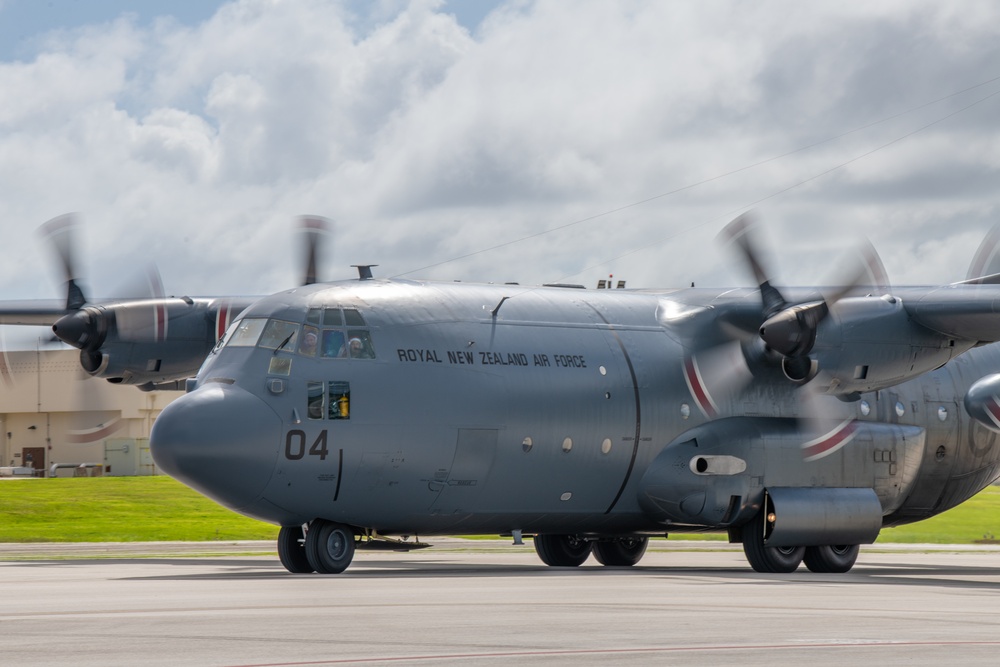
column 59, row 232
column 731, row 347
column 790, row 329
column 313, row 228
column 985, row 265
column 141, row 314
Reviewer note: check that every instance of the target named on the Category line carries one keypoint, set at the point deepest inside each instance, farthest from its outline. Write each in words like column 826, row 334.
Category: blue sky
column 23, row 22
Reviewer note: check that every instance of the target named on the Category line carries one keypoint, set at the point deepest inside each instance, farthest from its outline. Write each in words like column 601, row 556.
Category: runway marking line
column 612, row 651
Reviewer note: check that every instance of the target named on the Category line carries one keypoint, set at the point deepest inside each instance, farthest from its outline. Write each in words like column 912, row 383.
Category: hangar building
column 56, row 420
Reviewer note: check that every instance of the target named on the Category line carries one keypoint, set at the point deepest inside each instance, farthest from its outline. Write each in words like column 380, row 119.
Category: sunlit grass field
column 117, row 509
column 150, row 509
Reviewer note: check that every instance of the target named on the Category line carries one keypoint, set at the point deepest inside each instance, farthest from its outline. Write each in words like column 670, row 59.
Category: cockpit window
column 247, row 333
column 314, row 316
column 333, row 344
column 353, row 318
column 225, row 337
column 279, row 334
column 310, row 341
column 332, row 317
column 360, row 344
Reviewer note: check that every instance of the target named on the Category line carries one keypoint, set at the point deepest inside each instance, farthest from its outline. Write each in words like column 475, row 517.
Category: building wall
column 47, row 402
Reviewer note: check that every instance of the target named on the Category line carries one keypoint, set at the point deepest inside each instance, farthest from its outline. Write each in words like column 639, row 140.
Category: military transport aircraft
column 362, row 414
column 366, row 414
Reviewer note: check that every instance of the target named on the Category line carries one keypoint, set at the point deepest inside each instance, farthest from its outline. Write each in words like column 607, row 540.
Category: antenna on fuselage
column 364, row 271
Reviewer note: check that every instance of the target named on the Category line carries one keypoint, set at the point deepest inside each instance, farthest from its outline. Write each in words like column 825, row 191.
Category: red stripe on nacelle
column 697, row 388
column 830, row 442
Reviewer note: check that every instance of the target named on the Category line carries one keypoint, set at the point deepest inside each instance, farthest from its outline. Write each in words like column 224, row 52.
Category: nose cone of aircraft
column 220, row 440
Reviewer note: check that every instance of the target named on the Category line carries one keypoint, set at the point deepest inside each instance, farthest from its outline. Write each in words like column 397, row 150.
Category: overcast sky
column 432, row 130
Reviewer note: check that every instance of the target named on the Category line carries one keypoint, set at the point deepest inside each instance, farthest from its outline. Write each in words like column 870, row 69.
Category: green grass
column 975, row 521
column 151, row 509
column 117, row 509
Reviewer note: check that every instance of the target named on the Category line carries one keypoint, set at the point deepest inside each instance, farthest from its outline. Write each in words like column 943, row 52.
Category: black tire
column 837, row 558
column 620, row 551
column 768, row 559
column 562, row 550
column 291, row 550
column 329, row 546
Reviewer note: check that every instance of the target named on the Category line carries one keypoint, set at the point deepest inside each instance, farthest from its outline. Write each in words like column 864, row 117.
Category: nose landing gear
column 326, row 547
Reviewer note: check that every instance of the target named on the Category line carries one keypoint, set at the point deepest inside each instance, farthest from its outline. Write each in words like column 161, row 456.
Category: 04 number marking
column 295, row 445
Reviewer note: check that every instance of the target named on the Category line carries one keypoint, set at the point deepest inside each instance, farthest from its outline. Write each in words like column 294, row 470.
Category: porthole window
column 685, row 410
column 567, row 444
column 606, row 446
column 865, row 408
column 526, row 444
column 943, row 413
column 900, row 410
column 603, row 370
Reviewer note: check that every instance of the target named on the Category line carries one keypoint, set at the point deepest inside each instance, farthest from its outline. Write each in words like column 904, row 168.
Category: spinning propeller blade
column 313, row 228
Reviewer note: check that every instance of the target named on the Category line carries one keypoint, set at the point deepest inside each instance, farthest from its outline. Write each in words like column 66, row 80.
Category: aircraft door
column 461, row 487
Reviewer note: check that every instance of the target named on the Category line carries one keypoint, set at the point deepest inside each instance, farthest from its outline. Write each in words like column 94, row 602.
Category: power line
column 729, row 173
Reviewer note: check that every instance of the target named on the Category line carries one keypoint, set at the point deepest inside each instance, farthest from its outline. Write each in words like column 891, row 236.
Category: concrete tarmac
column 491, row 604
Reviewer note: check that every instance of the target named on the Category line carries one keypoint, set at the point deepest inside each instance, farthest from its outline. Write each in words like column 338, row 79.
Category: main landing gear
column 822, row 559
column 326, row 547
column 572, row 551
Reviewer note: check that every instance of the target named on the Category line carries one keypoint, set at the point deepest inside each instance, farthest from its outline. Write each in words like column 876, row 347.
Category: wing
column 32, row 313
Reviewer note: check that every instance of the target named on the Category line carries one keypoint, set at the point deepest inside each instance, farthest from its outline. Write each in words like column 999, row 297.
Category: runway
column 489, row 606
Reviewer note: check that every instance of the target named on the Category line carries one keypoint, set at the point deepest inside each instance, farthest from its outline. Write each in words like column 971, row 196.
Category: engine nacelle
column 147, row 342
column 871, row 343
column 982, row 402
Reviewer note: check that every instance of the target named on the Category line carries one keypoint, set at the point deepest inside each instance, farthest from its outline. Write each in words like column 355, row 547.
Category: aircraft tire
column 833, row 558
column 620, row 551
column 292, row 552
column 562, row 550
column 329, row 546
column 778, row 560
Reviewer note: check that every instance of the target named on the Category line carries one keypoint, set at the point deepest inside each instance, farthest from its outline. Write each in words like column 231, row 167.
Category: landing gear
column 768, row 559
column 562, row 550
column 292, row 551
column 622, row 551
column 836, row 558
column 329, row 546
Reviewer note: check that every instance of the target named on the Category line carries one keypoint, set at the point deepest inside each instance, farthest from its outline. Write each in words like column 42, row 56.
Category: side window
column 314, row 405
column 247, row 332
column 279, row 366
column 310, row 341
column 328, row 400
column 360, row 344
column 333, row 343
column 279, row 334
column 340, row 400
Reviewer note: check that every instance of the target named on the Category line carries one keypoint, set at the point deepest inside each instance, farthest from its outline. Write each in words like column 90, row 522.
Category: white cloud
column 195, row 145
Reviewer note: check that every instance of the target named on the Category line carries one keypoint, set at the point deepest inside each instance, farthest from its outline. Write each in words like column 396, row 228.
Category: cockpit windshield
column 329, row 333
